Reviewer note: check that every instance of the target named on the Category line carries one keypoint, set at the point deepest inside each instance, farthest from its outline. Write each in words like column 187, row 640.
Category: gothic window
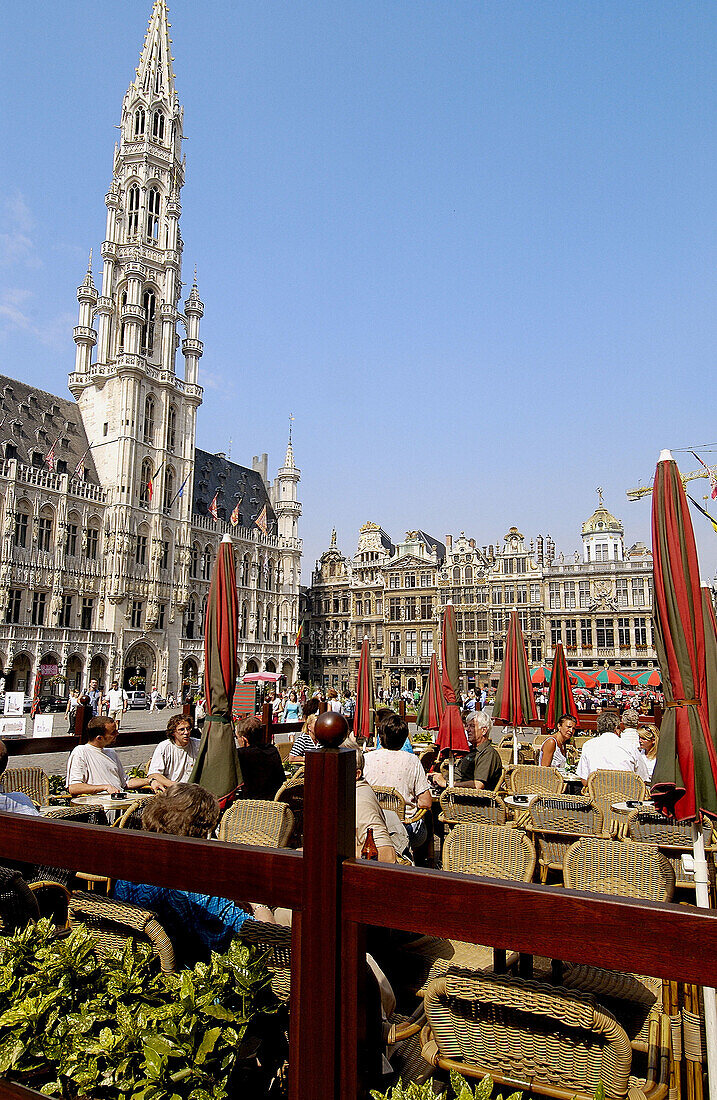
column 139, row 122
column 194, row 561
column 22, row 520
column 168, row 490
column 149, row 301
column 171, row 429
column 123, row 303
column 148, row 430
column 244, row 619
column 93, row 538
column 44, row 530
column 133, row 211
column 245, row 572
column 207, row 563
column 191, row 617
column 158, row 126
column 140, row 549
column 153, row 213
column 39, row 603
column 145, row 480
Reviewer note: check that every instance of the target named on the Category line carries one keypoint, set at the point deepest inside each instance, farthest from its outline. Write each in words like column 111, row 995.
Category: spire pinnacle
column 289, row 460
column 333, row 538
column 89, row 281
column 154, row 72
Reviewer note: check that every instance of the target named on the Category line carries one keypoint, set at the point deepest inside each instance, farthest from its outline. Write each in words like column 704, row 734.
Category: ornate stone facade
column 109, row 538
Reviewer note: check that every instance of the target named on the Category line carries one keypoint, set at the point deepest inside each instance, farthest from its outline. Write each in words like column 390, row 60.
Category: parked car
column 53, row 704
column 137, row 700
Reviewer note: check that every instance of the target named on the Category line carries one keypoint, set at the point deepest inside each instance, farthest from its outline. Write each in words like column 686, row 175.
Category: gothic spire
column 154, row 72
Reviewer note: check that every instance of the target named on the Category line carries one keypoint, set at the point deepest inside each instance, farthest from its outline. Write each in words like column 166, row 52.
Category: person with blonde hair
column 649, row 740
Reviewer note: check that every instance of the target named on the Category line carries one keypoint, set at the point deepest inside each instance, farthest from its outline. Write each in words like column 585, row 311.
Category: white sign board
column 14, row 701
column 42, row 726
column 12, row 727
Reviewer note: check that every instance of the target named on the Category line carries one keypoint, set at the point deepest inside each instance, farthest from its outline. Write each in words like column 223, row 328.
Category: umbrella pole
column 703, row 901
column 515, row 745
column 451, row 776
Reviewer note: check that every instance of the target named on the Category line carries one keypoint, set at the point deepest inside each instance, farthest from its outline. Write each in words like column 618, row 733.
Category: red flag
column 212, row 509
column 50, row 456
column 150, row 490
column 80, row 467
column 234, row 518
column 261, row 523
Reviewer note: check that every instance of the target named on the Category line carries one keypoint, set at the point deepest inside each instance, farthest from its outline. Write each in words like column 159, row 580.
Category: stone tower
column 140, row 416
column 287, row 509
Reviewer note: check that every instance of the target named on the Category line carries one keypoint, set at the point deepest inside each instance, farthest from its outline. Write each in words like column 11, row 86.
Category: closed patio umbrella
column 217, row 765
column 451, row 734
column 514, row 702
column 560, row 696
column 365, row 715
column 685, row 776
column 433, row 704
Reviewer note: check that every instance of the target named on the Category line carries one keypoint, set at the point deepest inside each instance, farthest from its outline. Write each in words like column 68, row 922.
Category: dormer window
column 158, row 126
column 139, row 122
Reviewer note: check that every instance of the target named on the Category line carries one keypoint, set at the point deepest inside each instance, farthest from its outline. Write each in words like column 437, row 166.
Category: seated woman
column 649, row 739
column 304, row 740
column 197, row 924
column 261, row 767
column 173, row 759
column 552, row 751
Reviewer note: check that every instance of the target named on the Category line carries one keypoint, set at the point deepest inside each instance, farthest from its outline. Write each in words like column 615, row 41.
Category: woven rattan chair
column 131, row 818
column 292, row 793
column 52, row 899
column 555, row 822
column 673, row 838
column 30, row 781
column 284, row 750
column 496, row 851
column 624, row 869
column 112, row 923
column 88, row 814
column 428, row 757
column 531, row 779
column 463, row 804
column 391, row 799
column 533, row 1036
column 18, row 906
column 606, row 787
column 275, row 941
column 254, row 821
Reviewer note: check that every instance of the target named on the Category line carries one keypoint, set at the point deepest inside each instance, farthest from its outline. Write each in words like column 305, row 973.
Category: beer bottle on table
column 369, row 850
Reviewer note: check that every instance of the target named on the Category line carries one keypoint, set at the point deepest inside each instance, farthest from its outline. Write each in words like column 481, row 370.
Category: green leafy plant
column 422, row 735
column 119, row 1027
column 459, row 1088
column 57, row 785
column 137, row 772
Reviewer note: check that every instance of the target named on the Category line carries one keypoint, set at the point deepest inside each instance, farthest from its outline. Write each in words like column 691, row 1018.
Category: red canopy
column 451, row 734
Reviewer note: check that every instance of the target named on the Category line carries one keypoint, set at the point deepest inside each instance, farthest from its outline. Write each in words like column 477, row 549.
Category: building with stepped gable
column 111, row 516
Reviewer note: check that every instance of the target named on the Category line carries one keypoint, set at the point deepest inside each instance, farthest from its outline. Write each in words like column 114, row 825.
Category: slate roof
column 34, row 419
column 216, row 472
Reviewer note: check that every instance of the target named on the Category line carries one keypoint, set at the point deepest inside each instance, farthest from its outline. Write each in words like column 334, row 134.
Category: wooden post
column 402, row 707
column 266, row 715
column 329, row 838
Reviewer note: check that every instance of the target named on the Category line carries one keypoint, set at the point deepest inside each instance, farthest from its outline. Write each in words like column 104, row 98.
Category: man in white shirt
column 95, row 768
column 15, row 802
column 173, row 759
column 630, row 722
column 608, row 751
column 117, row 702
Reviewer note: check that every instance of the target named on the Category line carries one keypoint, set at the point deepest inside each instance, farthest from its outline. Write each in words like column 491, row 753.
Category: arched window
column 456, row 575
column 123, row 303
column 207, row 563
column 44, row 528
column 145, row 484
column 133, row 211
column 259, row 622
column 244, row 619
column 168, row 490
column 148, row 429
column 139, row 122
column 191, row 617
column 171, row 429
column 194, row 561
column 158, row 126
column 269, row 620
column 367, row 606
column 245, row 572
column 153, row 213
column 149, row 301
column 469, row 574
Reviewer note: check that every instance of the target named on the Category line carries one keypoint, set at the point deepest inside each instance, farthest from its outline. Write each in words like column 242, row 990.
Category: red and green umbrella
column 610, row 676
column 451, row 734
column 217, row 765
column 540, row 675
column 364, row 718
column 560, row 696
column 582, row 680
column 432, row 705
column 650, row 679
column 514, row 701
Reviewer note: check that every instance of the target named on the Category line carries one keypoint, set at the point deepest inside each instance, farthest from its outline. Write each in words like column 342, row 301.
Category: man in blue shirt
column 14, row 803
column 95, row 697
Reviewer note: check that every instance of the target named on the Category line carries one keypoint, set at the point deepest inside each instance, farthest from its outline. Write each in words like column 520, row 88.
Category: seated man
column 261, row 767
column 481, row 768
column 173, row 759
column 608, row 751
column 389, row 833
column 14, row 803
column 94, row 767
column 390, row 767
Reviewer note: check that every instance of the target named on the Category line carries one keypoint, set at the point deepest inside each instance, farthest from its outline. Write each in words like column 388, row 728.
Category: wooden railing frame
column 334, row 897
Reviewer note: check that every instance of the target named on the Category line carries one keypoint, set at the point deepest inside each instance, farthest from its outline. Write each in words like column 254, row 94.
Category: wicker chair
column 556, row 822
column 53, row 899
column 463, row 804
column 624, row 869
column 88, row 814
column 18, row 905
column 428, row 758
column 131, row 818
column 253, row 821
column 531, row 779
column 606, row 787
column 533, row 1036
column 275, row 941
column 292, row 793
column 112, row 923
column 673, row 838
column 495, row 851
column 30, row 781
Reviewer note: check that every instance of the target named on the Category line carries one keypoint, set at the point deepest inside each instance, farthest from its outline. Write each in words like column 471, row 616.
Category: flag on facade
column 150, row 489
column 180, row 491
column 79, row 470
column 234, row 518
column 710, row 474
column 50, row 456
column 261, row 523
column 299, row 634
column 212, row 509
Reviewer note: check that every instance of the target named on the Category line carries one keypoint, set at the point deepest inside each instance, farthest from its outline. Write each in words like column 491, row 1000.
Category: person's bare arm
column 92, row 788
column 425, row 801
column 158, row 782
column 547, row 752
column 134, row 784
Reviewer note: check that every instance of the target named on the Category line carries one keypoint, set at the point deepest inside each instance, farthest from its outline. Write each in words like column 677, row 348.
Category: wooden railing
column 334, row 897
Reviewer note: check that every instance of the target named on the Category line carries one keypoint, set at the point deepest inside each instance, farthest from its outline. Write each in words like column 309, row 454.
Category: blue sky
column 470, row 246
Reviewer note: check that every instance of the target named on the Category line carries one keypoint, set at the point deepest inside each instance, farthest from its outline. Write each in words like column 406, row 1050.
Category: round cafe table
column 113, row 807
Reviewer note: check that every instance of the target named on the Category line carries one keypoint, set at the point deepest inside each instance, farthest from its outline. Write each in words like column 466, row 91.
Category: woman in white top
column 173, row 759
column 649, row 738
column 552, row 751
